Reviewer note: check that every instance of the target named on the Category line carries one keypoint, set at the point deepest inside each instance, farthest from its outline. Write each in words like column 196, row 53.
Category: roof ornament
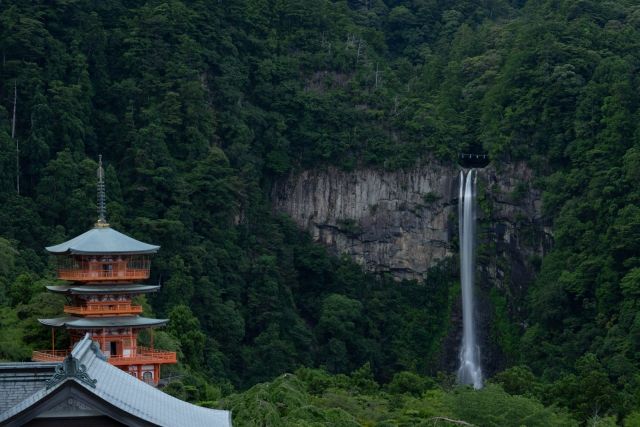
column 71, row 368
column 102, row 205
column 96, row 349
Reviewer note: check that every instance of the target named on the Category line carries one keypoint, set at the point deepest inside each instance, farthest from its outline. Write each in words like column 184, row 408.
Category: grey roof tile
column 20, row 380
column 72, row 322
column 131, row 395
column 103, row 240
column 103, row 289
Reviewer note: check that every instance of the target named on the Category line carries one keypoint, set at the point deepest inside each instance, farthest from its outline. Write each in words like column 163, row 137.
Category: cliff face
column 395, row 222
column 515, row 234
column 404, row 222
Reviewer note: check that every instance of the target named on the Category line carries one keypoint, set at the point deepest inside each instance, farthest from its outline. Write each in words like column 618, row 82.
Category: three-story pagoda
column 103, row 268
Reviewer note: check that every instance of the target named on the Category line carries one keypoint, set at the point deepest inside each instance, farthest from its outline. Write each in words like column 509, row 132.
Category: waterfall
column 469, row 371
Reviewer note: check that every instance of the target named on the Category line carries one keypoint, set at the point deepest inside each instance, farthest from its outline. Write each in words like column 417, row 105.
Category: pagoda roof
column 74, row 322
column 74, row 289
column 85, row 383
column 102, row 240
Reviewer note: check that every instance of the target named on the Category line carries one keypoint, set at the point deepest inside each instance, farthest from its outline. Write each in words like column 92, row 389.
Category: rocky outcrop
column 404, row 222
column 395, row 222
column 516, row 234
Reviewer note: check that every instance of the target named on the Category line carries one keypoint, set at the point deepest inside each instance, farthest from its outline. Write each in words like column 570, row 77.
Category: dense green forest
column 198, row 107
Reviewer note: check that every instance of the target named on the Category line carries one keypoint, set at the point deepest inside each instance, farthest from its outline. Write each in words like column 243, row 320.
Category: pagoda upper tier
column 103, row 254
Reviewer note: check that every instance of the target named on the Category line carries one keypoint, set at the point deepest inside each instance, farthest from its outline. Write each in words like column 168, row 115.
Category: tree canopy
column 198, row 107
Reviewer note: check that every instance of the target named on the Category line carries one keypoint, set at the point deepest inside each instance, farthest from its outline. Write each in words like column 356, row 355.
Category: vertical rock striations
column 395, row 222
column 403, row 222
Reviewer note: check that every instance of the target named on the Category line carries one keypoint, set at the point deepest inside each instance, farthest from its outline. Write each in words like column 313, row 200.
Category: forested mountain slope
column 198, row 107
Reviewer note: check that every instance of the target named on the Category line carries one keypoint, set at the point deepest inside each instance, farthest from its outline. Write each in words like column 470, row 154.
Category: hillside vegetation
column 197, row 107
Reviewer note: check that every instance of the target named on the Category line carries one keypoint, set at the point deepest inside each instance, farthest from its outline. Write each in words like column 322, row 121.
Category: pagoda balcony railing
column 103, row 309
column 103, row 274
column 142, row 355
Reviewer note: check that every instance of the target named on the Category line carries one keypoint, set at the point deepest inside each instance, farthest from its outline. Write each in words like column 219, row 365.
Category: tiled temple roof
column 108, row 388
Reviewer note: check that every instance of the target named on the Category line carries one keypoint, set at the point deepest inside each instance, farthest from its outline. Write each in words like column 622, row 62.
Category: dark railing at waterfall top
column 471, row 156
column 473, row 160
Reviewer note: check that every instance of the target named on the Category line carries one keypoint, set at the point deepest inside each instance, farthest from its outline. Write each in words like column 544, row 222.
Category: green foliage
column 20, row 332
column 198, row 107
column 505, row 332
column 494, row 407
column 430, row 198
column 587, row 393
column 632, row 420
column 11, row 337
column 8, row 258
column 299, row 400
column 409, row 383
column 284, row 402
column 186, row 328
column 22, row 290
column 518, row 380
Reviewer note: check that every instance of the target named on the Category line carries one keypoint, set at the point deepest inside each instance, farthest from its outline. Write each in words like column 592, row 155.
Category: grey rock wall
column 516, row 234
column 403, row 222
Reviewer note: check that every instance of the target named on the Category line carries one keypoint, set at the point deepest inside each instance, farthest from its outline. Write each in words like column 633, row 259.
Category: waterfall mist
column 469, row 372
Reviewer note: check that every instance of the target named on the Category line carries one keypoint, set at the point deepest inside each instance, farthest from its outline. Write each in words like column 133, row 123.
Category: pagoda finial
column 102, row 206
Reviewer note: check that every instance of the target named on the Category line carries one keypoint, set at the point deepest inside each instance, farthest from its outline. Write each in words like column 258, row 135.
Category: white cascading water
column 469, row 372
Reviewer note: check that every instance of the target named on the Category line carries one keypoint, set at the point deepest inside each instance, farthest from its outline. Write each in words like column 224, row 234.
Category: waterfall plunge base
column 470, row 371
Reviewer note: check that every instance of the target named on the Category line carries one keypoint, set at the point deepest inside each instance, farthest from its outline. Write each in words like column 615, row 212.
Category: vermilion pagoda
column 104, row 267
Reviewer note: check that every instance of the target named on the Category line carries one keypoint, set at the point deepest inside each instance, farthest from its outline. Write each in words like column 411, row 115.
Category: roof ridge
column 84, row 345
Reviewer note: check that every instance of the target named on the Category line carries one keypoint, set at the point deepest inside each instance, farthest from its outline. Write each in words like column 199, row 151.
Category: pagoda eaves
column 107, row 288
column 73, row 322
column 102, row 241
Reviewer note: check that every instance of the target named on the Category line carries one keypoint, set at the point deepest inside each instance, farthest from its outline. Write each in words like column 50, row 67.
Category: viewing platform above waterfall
column 474, row 160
